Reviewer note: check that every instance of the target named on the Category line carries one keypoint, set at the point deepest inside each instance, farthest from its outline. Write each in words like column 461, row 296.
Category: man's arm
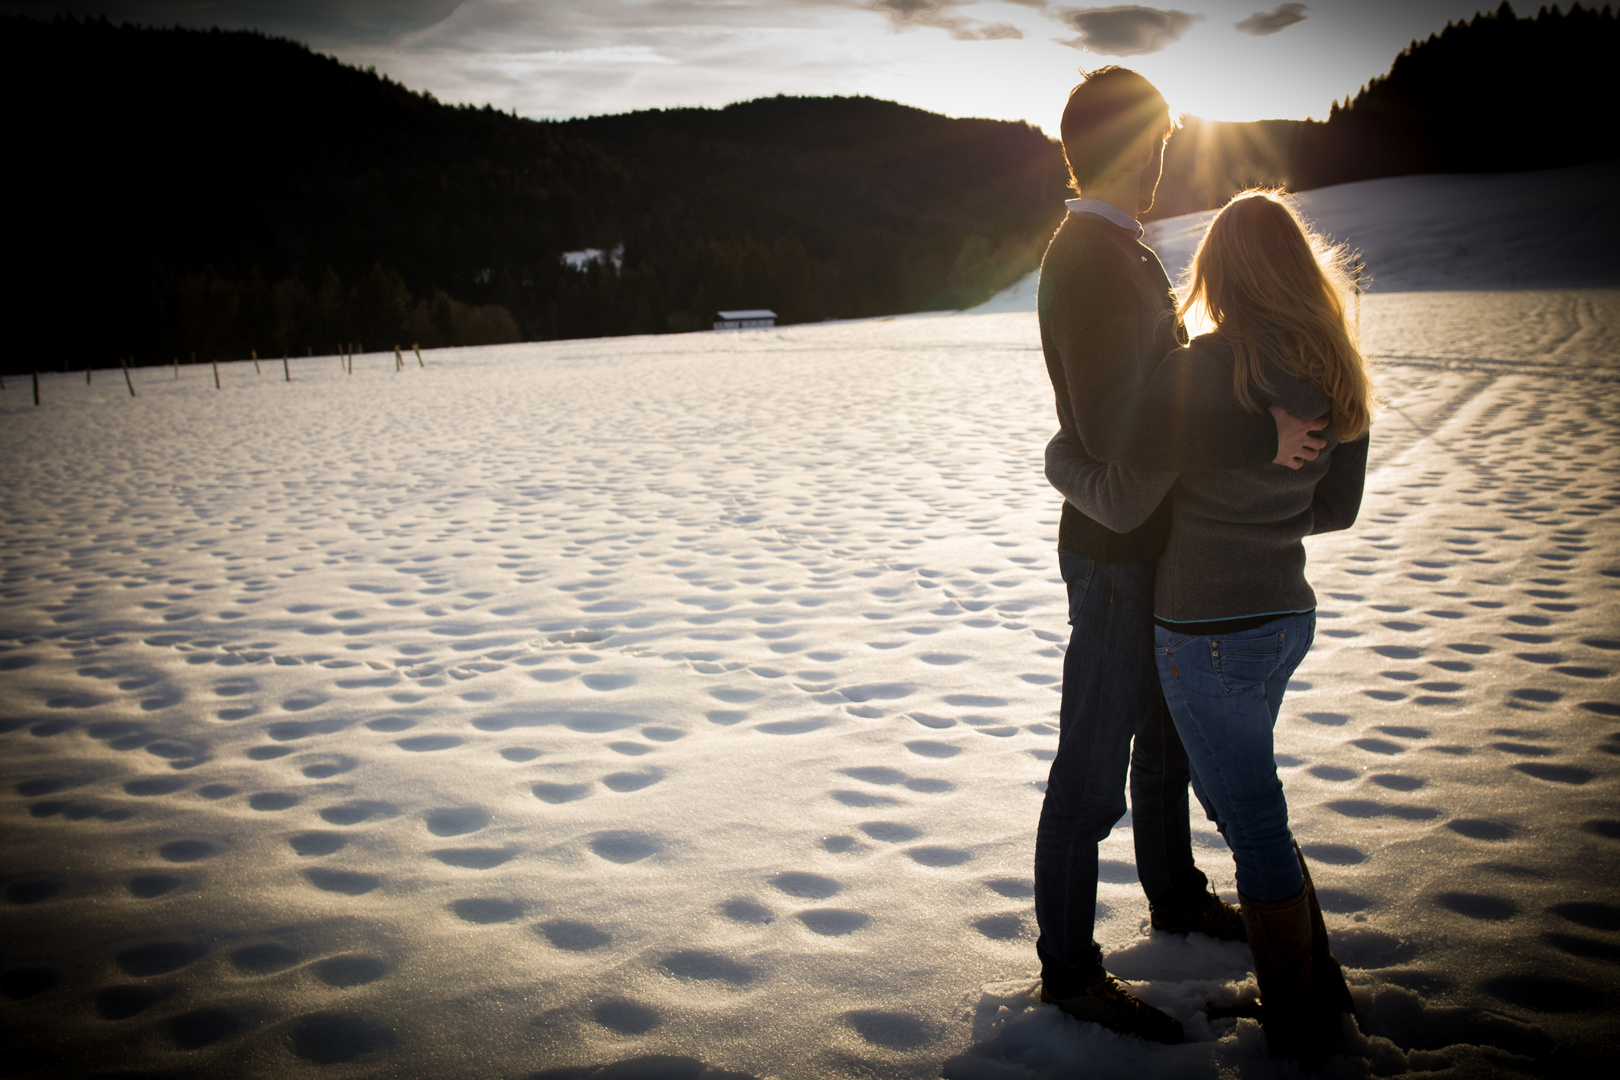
column 1127, row 407
column 1184, row 417
column 1119, row 498
column 1338, row 494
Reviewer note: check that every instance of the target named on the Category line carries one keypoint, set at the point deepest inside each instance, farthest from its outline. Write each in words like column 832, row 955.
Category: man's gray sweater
column 1235, row 545
column 1107, row 318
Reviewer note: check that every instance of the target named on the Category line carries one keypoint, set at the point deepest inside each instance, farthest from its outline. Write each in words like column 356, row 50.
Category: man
column 1107, row 318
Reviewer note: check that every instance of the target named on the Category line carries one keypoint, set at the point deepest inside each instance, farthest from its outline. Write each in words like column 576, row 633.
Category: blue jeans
column 1112, row 719
column 1224, row 693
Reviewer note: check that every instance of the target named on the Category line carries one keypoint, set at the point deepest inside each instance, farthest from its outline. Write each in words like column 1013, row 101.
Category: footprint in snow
column 624, row 846
column 1012, row 888
column 323, row 766
column 361, row 810
column 939, row 856
column 889, row 832
column 486, row 910
column 573, row 936
column 426, row 744
column 343, row 972
column 270, row 801
column 1005, row 927
column 1482, row 829
column 185, row 851
column 832, row 922
column 1481, row 906
column 151, row 886
column 707, row 966
column 626, row 1017
column 1557, row 774
column 474, row 858
column 863, row 800
column 624, row 782
column 347, row 882
column 1333, row 854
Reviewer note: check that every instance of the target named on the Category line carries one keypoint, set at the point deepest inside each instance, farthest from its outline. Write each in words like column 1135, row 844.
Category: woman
column 1233, row 612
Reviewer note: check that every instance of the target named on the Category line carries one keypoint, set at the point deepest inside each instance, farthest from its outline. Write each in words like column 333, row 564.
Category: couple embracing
column 1191, row 473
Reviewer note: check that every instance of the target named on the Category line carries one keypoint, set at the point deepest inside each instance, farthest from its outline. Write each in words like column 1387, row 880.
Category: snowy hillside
column 1554, row 229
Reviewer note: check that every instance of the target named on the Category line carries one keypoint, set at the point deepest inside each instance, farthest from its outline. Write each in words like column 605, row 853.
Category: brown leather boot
column 1327, row 975
column 1299, row 1008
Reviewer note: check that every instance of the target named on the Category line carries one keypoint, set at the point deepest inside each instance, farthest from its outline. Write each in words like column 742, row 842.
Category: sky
column 1007, row 59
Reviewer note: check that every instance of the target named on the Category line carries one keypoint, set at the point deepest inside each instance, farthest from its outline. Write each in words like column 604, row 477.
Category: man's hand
column 1295, row 443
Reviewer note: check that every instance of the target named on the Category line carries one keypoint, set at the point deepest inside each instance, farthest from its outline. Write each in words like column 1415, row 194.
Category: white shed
column 751, row 319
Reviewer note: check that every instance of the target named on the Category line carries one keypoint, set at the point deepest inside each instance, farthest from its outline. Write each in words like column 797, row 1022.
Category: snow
column 583, row 259
column 684, row 702
column 1550, row 229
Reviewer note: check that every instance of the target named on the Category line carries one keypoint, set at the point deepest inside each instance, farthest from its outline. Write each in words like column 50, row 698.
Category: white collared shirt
column 1108, row 212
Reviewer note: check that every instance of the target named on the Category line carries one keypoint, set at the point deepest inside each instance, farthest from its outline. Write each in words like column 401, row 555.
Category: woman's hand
column 1295, row 442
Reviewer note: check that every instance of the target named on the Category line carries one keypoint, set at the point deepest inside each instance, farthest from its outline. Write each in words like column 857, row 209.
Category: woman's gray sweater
column 1236, row 546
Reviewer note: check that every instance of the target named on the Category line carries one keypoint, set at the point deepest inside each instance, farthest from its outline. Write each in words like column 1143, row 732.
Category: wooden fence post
column 216, row 374
column 36, row 386
column 285, row 370
column 127, row 380
column 417, row 349
column 255, row 354
column 399, row 359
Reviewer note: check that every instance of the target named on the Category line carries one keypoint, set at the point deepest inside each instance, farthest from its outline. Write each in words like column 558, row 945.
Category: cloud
column 320, row 22
column 1127, row 30
column 908, row 10
column 937, row 13
column 1262, row 23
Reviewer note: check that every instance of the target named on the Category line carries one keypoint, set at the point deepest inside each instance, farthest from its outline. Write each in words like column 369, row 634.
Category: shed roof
column 751, row 313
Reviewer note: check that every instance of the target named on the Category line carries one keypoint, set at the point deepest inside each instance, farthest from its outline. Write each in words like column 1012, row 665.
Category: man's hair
column 1111, row 109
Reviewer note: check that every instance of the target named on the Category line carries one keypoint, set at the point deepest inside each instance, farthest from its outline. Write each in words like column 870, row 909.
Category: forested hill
column 180, row 192
column 1497, row 93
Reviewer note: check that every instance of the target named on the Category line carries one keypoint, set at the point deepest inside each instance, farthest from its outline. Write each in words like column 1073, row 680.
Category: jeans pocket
column 1243, row 665
column 1077, row 574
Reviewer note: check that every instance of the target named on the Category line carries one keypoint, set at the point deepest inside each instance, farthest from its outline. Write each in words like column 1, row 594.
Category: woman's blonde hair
column 1268, row 282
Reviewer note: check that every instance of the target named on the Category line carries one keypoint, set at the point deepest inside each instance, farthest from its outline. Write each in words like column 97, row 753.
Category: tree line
column 189, row 193
column 1495, row 93
column 208, row 192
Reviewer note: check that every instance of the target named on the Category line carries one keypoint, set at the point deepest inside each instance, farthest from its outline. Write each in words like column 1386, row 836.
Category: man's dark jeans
column 1111, row 696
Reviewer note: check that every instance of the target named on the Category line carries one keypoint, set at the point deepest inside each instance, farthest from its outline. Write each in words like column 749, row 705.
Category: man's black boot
column 1208, row 914
column 1103, row 1001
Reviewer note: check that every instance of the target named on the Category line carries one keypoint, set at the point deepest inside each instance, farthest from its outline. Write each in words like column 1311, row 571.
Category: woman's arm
column 1338, row 494
column 1120, row 499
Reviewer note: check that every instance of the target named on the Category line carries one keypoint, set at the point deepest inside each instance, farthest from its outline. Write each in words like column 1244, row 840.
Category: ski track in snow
column 574, row 703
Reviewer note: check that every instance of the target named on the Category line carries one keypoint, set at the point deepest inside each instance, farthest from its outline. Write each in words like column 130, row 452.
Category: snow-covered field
column 560, row 705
